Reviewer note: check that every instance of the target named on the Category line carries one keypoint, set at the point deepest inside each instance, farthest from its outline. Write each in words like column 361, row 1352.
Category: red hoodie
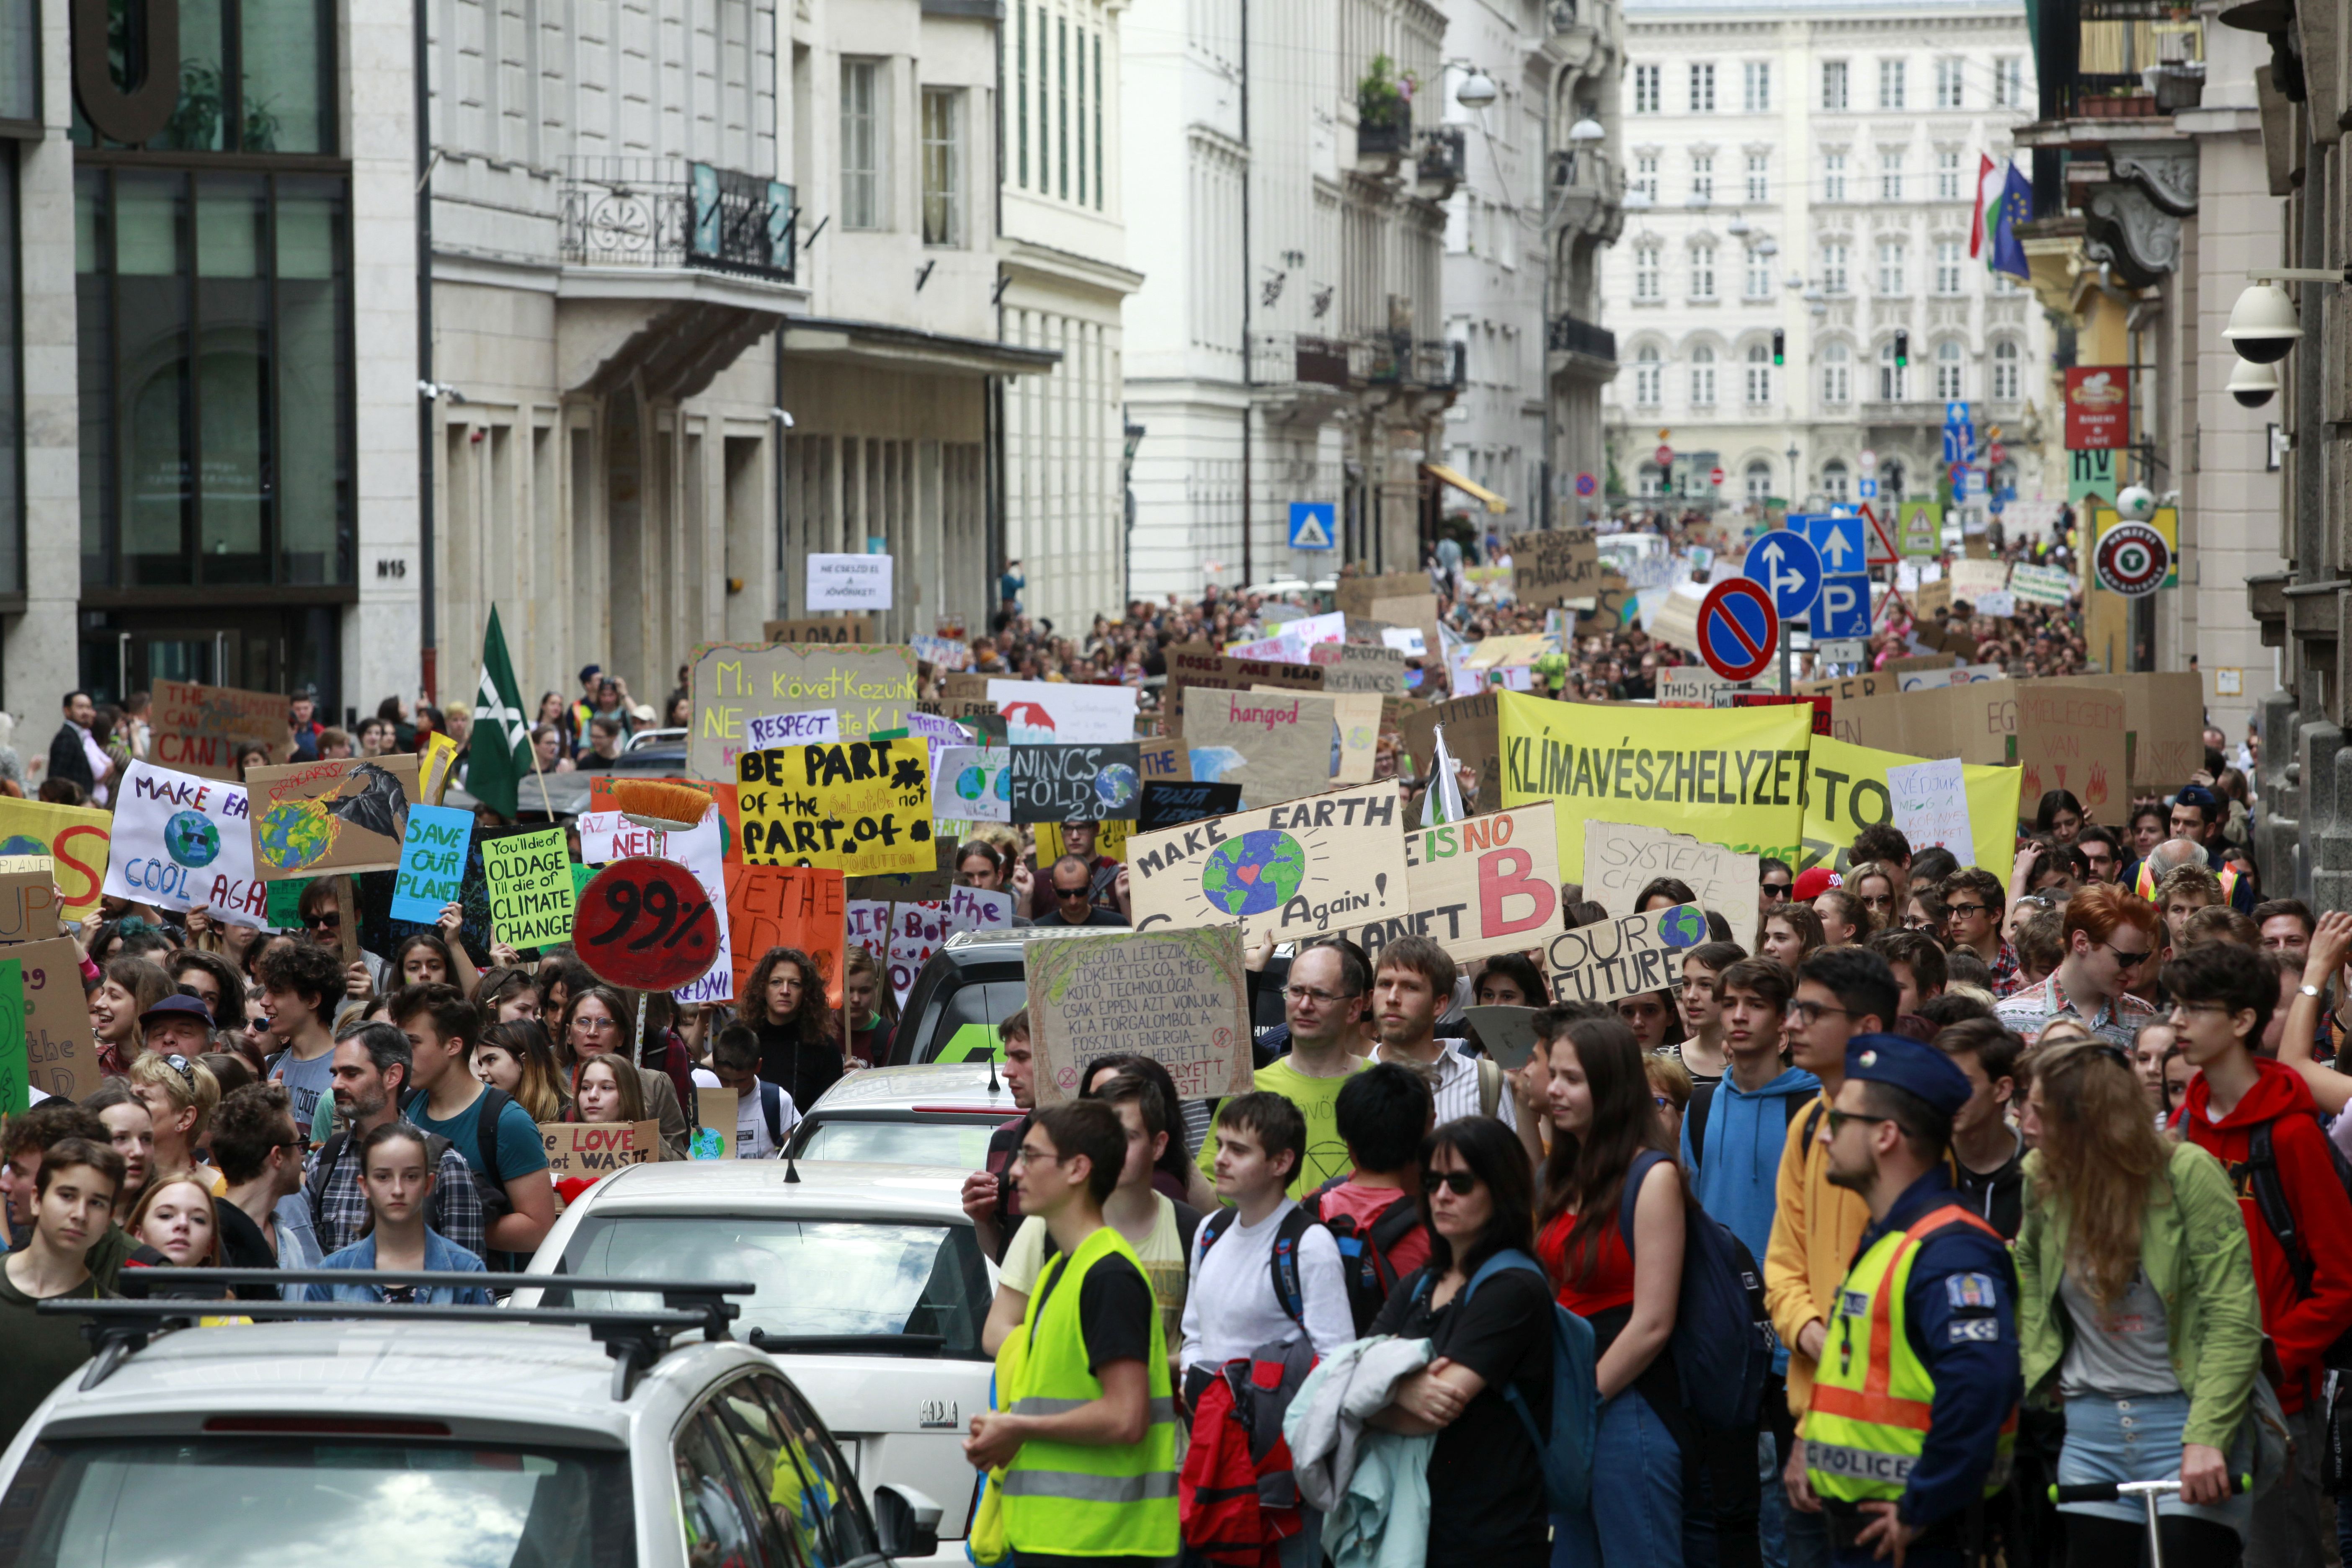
column 2300, row 1327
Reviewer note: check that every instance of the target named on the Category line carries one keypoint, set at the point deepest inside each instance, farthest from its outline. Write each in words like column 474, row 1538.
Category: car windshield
column 960, row 1145
column 357, row 1501
column 815, row 1277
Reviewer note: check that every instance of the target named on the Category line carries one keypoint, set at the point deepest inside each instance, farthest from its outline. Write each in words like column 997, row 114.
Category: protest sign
column 1473, row 738
column 1354, row 667
column 2032, row 585
column 73, row 836
column 1296, row 869
column 530, row 881
column 1355, row 595
column 347, row 814
column 432, row 862
column 1733, row 776
column 698, row 853
column 1479, row 887
column 1688, row 686
column 934, row 880
column 849, row 582
column 1180, row 997
column 1356, row 726
column 1042, row 712
column 1846, row 791
column 1508, row 1033
column 941, row 652
column 1554, row 567
column 60, row 1055
column 597, row 1148
column 645, row 925
column 1276, row 748
column 1971, row 580
column 609, row 836
column 972, row 783
column 1930, row 803
column 1163, row 760
column 180, row 841
column 1622, row 956
column 868, row 688
column 15, row 1065
column 1074, row 782
column 1417, row 612
column 29, row 898
column 866, row 922
column 2164, row 726
column 198, row 729
column 831, row 630
column 1620, row 859
column 1169, row 804
column 714, row 1124
column 730, row 817
column 2071, row 736
column 916, row 932
column 771, row 730
column 979, row 909
column 1932, row 599
column 786, row 906
column 859, row 807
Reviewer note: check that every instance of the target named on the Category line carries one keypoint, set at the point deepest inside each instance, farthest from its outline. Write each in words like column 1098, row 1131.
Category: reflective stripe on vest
column 2144, row 883
column 1871, row 1404
column 1073, row 1498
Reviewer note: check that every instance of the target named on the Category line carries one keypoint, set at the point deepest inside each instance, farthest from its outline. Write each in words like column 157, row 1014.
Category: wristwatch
column 2310, row 990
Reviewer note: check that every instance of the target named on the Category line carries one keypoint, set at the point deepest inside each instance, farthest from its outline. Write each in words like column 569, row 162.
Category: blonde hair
column 162, row 1184
column 1669, row 1078
column 2099, row 1151
column 197, row 1088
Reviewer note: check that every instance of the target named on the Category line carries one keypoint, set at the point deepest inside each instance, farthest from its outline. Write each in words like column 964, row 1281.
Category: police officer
column 1914, row 1408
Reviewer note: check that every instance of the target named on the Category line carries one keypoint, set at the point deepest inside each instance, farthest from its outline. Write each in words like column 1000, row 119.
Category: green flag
column 499, row 751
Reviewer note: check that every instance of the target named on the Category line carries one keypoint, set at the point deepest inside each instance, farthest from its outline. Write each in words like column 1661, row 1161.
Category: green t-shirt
column 1317, row 1100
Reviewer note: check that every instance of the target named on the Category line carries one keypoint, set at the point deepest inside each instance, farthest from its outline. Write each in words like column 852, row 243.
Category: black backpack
column 495, row 1100
column 1364, row 1255
column 2261, row 1173
column 1283, row 1260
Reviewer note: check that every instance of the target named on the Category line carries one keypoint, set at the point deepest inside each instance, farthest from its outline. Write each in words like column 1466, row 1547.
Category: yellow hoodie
column 1814, row 1236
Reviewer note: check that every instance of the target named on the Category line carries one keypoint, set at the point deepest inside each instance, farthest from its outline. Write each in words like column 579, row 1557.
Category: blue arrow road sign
column 1839, row 540
column 1844, row 609
column 1788, row 567
column 1866, row 487
column 1312, row 525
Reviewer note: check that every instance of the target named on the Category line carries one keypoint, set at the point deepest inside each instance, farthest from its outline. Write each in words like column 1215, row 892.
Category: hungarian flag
column 1991, row 184
column 499, row 750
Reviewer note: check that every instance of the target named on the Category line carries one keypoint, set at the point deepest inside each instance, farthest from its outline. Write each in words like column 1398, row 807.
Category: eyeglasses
column 2220, row 1007
column 1804, row 1013
column 1461, row 1183
column 2127, row 959
column 1953, row 911
column 1308, row 993
column 1062, row 892
column 1884, row 902
column 1026, row 1155
column 595, row 1026
column 1772, row 890
column 1838, row 1119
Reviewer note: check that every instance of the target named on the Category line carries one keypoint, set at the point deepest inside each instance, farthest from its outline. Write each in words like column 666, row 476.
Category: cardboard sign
column 1473, row 737
column 1355, row 667
column 349, row 814
column 432, row 862
column 1180, row 997
column 530, row 881
column 597, row 1148
column 834, row 630
column 1688, row 686
column 860, row 807
column 1296, row 869
column 1625, row 956
column 932, row 883
column 74, row 838
column 2041, row 584
column 1621, row 859
column 1356, row 727
column 1171, row 805
column 1074, row 783
column 16, row 1069
column 786, row 906
column 1416, row 611
column 1163, row 760
column 972, row 783
column 1973, row 580
column 1044, row 712
column 699, row 854
column 29, row 898
column 722, row 796
column 1276, row 748
column 870, row 687
column 714, row 1124
column 1479, row 887
column 609, row 836
column 1931, row 806
column 1357, row 595
column 979, row 909
column 61, row 1055
column 180, row 841
column 646, row 925
column 866, row 922
column 2164, row 726
column 1554, row 567
column 2071, row 737
column 818, row 726
column 198, row 729
column 1508, row 1033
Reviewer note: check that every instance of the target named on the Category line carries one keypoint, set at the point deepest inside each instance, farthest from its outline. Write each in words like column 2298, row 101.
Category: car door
column 721, row 1511
column 815, row 1495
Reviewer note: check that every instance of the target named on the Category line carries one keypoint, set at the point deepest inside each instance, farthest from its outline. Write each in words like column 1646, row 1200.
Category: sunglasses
column 184, row 1066
column 1462, row 1183
column 319, row 922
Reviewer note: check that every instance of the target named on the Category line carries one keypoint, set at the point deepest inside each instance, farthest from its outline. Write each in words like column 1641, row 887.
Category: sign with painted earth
column 1253, row 874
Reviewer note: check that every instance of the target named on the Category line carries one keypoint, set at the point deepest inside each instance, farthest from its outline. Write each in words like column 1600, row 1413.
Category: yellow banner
column 859, row 807
column 1734, row 776
column 1847, row 793
column 76, row 837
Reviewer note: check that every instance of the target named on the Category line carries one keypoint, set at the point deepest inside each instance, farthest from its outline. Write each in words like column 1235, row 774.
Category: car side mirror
column 906, row 1522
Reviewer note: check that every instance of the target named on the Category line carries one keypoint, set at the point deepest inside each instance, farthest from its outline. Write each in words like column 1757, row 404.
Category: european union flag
column 2016, row 207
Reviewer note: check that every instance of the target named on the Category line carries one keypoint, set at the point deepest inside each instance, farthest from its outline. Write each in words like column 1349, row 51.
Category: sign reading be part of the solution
column 1180, row 998
column 861, row 807
column 529, row 877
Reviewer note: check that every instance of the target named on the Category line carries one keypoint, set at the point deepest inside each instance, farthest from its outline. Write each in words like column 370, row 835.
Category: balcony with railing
column 664, row 212
column 1566, row 334
column 1310, row 366
column 1440, row 160
column 1588, row 188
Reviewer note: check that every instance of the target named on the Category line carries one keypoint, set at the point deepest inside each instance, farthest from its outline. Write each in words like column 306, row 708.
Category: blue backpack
column 1722, row 1340
column 1566, row 1452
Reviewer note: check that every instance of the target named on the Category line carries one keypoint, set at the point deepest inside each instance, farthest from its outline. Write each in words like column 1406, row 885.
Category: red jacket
column 2301, row 1327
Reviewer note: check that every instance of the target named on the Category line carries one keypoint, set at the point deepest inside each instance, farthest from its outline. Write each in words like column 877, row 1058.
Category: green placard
column 285, row 912
column 16, row 1069
column 530, row 883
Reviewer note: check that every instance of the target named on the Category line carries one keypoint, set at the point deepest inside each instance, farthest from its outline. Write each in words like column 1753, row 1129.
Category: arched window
column 2005, row 370
column 1837, row 373
column 1759, row 373
column 1702, row 377
column 1759, row 481
column 1948, row 371
column 1894, row 380
column 1649, row 377
column 1833, row 482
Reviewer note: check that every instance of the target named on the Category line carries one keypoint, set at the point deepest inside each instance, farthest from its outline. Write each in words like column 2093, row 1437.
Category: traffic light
column 1901, row 350
column 1779, row 347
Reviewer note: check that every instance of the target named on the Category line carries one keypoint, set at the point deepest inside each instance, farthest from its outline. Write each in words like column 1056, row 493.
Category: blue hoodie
column 1738, row 1182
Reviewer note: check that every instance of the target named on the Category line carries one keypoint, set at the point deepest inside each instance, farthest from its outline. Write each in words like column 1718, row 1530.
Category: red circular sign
column 2131, row 560
column 1716, row 475
column 1665, row 456
column 1739, row 630
column 645, row 925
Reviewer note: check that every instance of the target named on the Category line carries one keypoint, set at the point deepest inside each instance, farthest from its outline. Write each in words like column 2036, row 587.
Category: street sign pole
column 1784, row 658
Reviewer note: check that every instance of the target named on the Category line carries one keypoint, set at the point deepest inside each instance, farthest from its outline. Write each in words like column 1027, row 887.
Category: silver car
column 938, row 1113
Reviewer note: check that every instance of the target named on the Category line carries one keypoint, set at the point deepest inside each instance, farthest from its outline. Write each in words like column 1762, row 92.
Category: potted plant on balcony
column 1383, row 111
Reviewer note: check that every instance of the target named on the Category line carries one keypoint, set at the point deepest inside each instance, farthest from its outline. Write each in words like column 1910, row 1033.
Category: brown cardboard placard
column 60, row 1051
column 198, row 729
column 2164, row 725
column 2070, row 736
column 597, row 1148
column 1284, row 742
column 821, row 629
column 29, row 898
column 343, row 814
column 714, row 1111
column 1357, row 595
column 1473, row 736
column 869, row 686
column 1357, row 666
column 1479, row 887
column 1302, row 869
column 1621, row 859
column 1623, row 956
column 1180, row 997
column 1553, row 566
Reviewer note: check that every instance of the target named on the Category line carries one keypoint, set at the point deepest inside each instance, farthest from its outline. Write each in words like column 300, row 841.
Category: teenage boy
column 1374, row 1215
column 1413, row 986
column 1974, row 900
column 1916, row 960
column 1700, row 1001
column 2237, row 1105
column 992, row 1198
column 764, row 1114
column 300, row 985
column 373, row 1063
column 1841, row 991
column 1734, row 1138
column 264, row 1223
column 444, row 1097
column 73, row 1206
column 1320, row 1002
column 1086, row 1431
column 29, row 1139
column 1989, row 1153
column 2107, row 934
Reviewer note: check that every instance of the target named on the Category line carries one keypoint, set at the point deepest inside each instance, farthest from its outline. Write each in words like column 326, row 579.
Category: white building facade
column 1809, row 174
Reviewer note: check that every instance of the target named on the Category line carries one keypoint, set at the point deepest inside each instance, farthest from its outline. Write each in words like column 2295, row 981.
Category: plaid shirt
column 339, row 1206
column 2004, row 970
column 2035, row 1009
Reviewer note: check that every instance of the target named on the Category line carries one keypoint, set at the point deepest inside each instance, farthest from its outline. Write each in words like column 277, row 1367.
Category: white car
column 403, row 1437
column 872, row 1292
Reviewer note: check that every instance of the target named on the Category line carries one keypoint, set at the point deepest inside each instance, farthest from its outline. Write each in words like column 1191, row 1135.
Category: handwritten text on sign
column 597, row 1148
column 1623, row 957
column 861, row 807
column 1179, row 997
column 1479, row 887
column 1074, row 783
column 530, row 878
column 432, row 862
column 180, row 841
column 646, row 925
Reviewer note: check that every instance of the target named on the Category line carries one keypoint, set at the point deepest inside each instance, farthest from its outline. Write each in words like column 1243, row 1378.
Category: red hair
column 2097, row 910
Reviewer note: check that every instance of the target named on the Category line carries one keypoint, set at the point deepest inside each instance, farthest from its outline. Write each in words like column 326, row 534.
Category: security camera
column 2254, row 384
column 2135, row 503
column 2263, row 326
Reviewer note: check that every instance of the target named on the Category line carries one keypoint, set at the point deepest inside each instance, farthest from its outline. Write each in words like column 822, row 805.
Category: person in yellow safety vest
column 1914, row 1408
column 1086, row 1437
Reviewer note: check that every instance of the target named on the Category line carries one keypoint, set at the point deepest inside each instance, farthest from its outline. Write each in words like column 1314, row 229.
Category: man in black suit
column 69, row 759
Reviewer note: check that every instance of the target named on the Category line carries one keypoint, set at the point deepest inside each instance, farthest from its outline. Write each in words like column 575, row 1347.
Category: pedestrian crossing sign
column 1312, row 525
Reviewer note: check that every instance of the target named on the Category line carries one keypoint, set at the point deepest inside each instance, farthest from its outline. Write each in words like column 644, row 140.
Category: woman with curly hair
column 800, row 1039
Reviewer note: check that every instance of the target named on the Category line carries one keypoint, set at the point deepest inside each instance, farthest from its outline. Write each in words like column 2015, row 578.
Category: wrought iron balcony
column 663, row 212
column 1566, row 334
column 1432, row 363
column 1440, row 161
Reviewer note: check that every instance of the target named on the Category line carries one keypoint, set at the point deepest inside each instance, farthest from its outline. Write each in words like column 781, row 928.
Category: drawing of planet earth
column 22, row 844
column 1682, row 927
column 1254, row 873
column 296, row 832
column 1115, row 786
column 190, row 838
column 971, row 784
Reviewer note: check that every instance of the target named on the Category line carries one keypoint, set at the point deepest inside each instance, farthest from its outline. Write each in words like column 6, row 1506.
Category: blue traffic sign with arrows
column 1788, row 567
column 1841, row 541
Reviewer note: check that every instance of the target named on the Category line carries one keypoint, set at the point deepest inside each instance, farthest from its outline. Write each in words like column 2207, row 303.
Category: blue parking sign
column 1844, row 610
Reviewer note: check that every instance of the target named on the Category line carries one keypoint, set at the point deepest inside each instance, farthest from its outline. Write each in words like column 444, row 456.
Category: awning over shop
column 1440, row 472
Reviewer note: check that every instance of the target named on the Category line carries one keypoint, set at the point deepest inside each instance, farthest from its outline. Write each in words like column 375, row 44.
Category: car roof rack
column 635, row 1339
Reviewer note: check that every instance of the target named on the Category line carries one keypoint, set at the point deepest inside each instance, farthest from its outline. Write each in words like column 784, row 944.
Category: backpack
column 2261, row 1168
column 1237, row 1491
column 1566, row 1450
column 771, row 1110
column 493, row 1185
column 1722, row 1342
column 1282, row 1261
column 1364, row 1255
column 314, row 1192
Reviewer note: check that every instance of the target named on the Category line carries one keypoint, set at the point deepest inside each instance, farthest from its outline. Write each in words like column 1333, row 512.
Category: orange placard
column 787, row 905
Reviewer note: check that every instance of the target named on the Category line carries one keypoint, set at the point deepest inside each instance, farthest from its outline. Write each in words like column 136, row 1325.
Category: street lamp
column 1477, row 89
column 1587, row 130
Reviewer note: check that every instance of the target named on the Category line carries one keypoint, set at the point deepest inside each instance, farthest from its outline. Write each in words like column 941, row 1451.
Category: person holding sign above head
column 1321, row 1003
column 1416, row 983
